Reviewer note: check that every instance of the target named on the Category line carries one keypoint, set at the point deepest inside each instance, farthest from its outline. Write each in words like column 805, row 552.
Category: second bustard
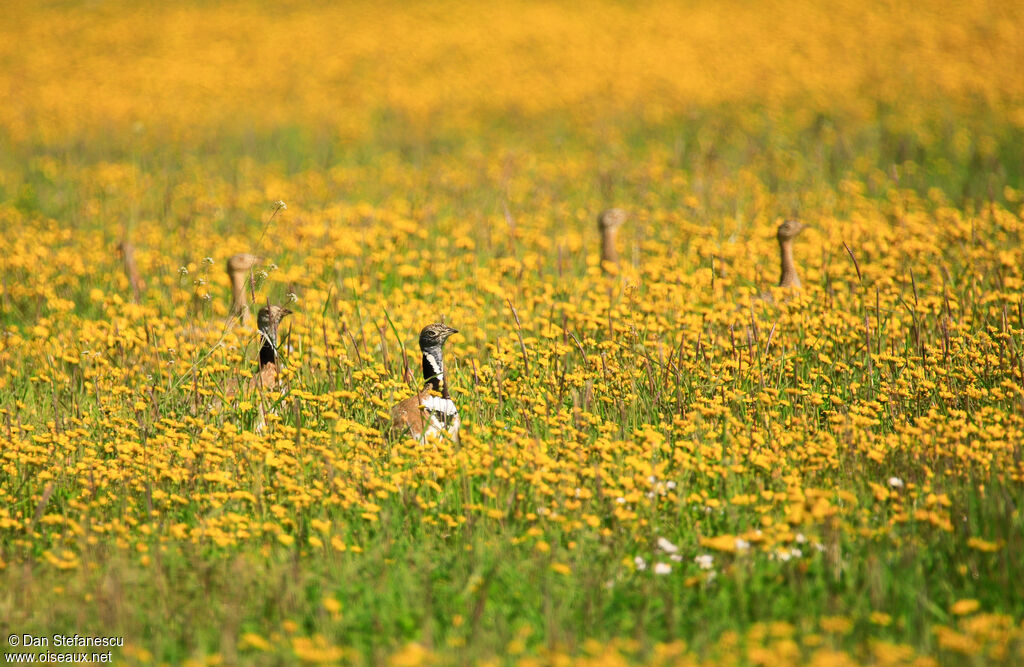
column 608, row 223
column 431, row 413
column 788, row 231
column 266, row 377
column 268, row 319
column 239, row 267
column 131, row 269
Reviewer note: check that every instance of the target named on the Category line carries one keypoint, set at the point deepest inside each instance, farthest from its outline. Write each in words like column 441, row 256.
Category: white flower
column 667, row 546
column 183, row 271
column 281, row 205
column 670, row 485
column 620, row 500
column 662, row 568
column 704, row 561
column 208, row 261
column 676, row 557
column 640, row 563
column 742, row 544
column 292, row 297
column 800, row 538
column 896, row 482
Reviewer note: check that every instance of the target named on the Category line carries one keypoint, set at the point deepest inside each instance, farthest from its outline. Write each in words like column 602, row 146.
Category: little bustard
column 787, row 232
column 131, row 269
column 608, row 224
column 268, row 319
column 431, row 413
column 267, row 374
column 267, row 377
column 239, row 269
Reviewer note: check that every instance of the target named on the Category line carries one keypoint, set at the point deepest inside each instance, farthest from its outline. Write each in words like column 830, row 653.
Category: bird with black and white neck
column 431, row 413
column 268, row 320
column 267, row 374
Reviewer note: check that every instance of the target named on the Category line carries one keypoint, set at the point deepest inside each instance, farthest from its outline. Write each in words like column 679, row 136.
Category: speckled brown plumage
column 409, row 417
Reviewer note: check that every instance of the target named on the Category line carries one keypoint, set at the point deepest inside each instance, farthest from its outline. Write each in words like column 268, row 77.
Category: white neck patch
column 435, row 366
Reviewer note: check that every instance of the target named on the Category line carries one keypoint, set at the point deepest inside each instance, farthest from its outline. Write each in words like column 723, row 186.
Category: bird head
column 789, row 229
column 270, row 316
column 434, row 335
column 243, row 261
column 611, row 219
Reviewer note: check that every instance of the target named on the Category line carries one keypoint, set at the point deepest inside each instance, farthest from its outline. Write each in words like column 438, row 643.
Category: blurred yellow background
column 114, row 66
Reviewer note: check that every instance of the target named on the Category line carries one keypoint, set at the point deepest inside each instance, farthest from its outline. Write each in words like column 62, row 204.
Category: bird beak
column 285, row 311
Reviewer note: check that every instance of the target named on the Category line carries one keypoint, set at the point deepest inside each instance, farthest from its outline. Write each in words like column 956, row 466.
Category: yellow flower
column 964, row 607
column 253, row 640
column 837, row 625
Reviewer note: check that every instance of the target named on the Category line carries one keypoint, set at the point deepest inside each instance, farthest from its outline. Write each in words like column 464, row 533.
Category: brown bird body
column 430, row 413
column 787, row 232
column 608, row 223
column 265, row 378
column 409, row 415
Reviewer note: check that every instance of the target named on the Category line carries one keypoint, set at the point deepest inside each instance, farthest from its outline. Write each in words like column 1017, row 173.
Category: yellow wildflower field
column 663, row 459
